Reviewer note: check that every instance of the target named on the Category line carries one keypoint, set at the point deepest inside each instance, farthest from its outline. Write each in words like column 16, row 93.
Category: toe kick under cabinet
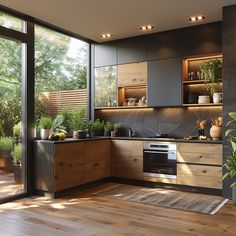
column 60, row 166
column 199, row 165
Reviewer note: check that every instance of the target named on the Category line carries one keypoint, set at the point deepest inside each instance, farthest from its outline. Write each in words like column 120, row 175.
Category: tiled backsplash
column 178, row 122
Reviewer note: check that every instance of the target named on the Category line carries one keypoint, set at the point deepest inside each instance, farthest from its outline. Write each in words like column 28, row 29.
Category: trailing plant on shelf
column 212, row 73
column 230, row 162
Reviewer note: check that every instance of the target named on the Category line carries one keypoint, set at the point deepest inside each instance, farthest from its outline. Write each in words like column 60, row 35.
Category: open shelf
column 121, row 107
column 202, row 104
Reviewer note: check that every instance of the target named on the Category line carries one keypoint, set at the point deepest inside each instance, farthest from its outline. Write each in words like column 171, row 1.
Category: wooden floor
column 8, row 187
column 86, row 214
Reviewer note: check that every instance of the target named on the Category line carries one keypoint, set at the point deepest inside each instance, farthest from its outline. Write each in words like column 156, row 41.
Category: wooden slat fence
column 70, row 99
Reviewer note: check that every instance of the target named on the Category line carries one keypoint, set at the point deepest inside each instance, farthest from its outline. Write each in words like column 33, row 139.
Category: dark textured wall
column 229, row 75
column 178, row 122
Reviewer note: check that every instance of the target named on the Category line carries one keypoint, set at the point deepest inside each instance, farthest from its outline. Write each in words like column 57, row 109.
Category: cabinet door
column 69, row 165
column 97, row 165
column 164, row 82
column 132, row 50
column 105, row 91
column 105, row 54
column 127, row 159
column 133, row 74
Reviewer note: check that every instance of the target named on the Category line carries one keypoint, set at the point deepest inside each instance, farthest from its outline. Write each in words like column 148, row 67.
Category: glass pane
column 11, row 164
column 60, row 76
column 106, row 86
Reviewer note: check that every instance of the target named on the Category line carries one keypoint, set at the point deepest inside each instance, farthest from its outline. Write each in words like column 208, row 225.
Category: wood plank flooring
column 86, row 215
column 8, row 187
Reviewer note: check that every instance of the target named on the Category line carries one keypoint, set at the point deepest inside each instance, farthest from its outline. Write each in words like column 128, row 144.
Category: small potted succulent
column 6, row 146
column 17, row 163
column 45, row 125
column 108, row 127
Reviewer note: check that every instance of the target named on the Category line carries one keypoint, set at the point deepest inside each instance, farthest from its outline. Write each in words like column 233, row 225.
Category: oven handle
column 165, row 152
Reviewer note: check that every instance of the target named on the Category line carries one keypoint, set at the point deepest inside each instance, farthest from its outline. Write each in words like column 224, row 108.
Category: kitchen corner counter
column 71, row 140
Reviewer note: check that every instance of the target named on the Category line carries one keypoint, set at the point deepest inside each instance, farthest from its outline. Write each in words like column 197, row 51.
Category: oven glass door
column 157, row 162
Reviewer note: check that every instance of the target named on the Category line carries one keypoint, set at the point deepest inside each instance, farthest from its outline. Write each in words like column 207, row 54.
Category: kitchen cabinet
column 132, row 50
column 60, row 166
column 164, row 83
column 105, row 91
column 199, row 165
column 127, row 159
column 105, row 54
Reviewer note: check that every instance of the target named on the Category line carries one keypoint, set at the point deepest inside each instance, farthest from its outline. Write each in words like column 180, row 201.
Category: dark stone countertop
column 71, row 140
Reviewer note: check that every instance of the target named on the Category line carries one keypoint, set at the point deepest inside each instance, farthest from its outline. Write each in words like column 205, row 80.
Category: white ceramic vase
column 44, row 134
column 217, row 97
column 216, row 132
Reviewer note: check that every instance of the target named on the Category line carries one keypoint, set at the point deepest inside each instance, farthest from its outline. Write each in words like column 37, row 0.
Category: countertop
column 69, row 140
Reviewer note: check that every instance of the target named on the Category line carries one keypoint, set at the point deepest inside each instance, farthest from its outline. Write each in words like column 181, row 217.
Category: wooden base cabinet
column 60, row 166
column 127, row 159
column 199, row 165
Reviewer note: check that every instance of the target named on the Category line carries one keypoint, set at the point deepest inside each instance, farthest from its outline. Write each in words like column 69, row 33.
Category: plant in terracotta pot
column 108, row 127
column 6, row 146
column 17, row 163
column 78, row 123
column 216, row 130
column 45, row 125
column 230, row 163
column 117, row 127
column 212, row 73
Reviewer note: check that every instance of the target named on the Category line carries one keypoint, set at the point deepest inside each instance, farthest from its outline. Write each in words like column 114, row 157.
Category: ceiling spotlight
column 196, row 18
column 105, row 36
column 146, row 27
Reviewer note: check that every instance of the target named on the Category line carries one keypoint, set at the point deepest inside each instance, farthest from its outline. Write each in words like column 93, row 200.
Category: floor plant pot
column 17, row 172
column 44, row 134
column 234, row 195
column 7, row 160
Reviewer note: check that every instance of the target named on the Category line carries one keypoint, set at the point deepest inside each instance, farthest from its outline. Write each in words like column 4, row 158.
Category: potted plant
column 6, row 146
column 57, row 129
column 216, row 130
column 212, row 73
column 108, row 127
column 96, row 127
column 79, row 123
column 230, row 163
column 17, row 132
column 17, row 163
column 45, row 125
column 68, row 117
column 117, row 127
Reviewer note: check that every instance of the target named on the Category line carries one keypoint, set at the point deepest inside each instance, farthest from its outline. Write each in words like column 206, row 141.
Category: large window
column 60, row 72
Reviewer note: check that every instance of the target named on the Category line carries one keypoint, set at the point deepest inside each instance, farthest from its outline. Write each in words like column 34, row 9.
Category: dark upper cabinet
column 164, row 45
column 164, row 82
column 132, row 50
column 203, row 39
column 105, row 54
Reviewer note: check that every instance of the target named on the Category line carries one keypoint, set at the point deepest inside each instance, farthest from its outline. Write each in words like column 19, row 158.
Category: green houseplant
column 17, row 131
column 96, row 127
column 108, row 127
column 17, row 163
column 212, row 73
column 117, row 127
column 6, row 146
column 45, row 124
column 78, row 123
column 57, row 128
column 230, row 163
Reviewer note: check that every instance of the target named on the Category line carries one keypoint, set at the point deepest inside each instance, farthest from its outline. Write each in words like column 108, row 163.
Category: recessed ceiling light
column 196, row 18
column 146, row 27
column 105, row 36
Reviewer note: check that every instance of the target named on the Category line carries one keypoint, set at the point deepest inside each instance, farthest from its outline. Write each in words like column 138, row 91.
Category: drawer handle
column 204, row 171
column 200, row 156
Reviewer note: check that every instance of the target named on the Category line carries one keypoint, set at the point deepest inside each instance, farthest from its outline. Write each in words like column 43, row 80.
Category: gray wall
column 178, row 122
column 229, row 75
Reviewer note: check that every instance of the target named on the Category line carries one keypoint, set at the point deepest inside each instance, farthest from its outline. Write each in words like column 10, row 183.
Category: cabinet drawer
column 132, row 74
column 199, row 148
column 199, row 175
column 199, row 158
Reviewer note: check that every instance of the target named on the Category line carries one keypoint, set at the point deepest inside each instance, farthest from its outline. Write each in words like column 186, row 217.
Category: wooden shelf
column 121, row 107
column 196, row 82
column 202, row 105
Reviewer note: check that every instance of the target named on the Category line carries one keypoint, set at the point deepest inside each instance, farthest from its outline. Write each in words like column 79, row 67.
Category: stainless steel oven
column 159, row 160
